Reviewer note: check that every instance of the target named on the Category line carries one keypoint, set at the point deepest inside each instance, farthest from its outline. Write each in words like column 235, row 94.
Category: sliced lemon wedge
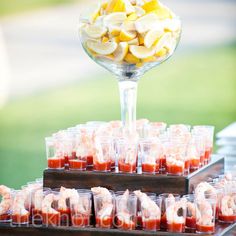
column 128, row 7
column 132, row 17
column 102, row 48
column 150, row 6
column 164, row 40
column 128, row 25
column 130, row 58
column 133, row 42
column 116, row 18
column 152, row 36
column 142, row 52
column 115, row 6
column 121, row 51
column 114, row 30
column 127, row 35
column 139, row 11
column 171, row 24
column 95, row 31
column 146, row 22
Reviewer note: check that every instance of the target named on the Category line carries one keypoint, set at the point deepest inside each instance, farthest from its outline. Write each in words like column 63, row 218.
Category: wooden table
column 8, row 230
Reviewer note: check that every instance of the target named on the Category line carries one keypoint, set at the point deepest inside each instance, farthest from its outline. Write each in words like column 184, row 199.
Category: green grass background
column 9, row 7
column 196, row 88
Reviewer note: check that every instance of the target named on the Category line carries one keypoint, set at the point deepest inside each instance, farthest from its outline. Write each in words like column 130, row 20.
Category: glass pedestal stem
column 128, row 99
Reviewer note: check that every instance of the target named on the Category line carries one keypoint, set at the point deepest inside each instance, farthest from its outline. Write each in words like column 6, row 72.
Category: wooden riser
column 7, row 230
column 120, row 181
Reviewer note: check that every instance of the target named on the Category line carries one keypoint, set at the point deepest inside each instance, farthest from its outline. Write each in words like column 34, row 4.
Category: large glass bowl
column 128, row 74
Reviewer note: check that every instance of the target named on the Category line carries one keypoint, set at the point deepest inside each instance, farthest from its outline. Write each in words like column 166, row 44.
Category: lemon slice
column 128, row 7
column 114, row 30
column 121, row 51
column 95, row 13
column 161, row 53
column 171, row 24
column 150, row 6
column 141, row 51
column 128, row 25
column 165, row 39
column 163, row 12
column 134, row 41
column 99, row 20
column 102, row 48
column 95, row 31
column 116, row 18
column 140, row 2
column 151, row 37
column 115, row 6
column 132, row 17
column 130, row 58
column 127, row 35
column 139, row 11
column 146, row 22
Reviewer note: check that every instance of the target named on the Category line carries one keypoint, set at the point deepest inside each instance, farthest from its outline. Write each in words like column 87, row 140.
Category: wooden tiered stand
column 120, row 181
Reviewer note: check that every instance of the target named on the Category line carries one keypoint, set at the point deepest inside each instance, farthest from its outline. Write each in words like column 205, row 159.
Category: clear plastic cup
column 104, row 206
column 227, row 210
column 85, row 143
column 154, row 129
column 6, row 200
column 127, row 156
column 199, row 143
column 164, row 196
column 37, row 199
column 151, row 220
column 175, row 214
column 20, row 215
column 81, row 209
column 150, row 151
column 152, row 196
column 190, row 212
column 54, row 150
column 176, row 159
column 193, row 156
column 205, row 217
column 207, row 132
column 126, row 211
column 50, row 213
column 103, row 153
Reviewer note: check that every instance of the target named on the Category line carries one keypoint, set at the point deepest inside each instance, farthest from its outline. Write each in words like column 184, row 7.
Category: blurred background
column 48, row 83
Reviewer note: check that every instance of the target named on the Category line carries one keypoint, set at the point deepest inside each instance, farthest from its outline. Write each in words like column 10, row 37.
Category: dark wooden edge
column 210, row 170
column 121, row 181
column 8, row 230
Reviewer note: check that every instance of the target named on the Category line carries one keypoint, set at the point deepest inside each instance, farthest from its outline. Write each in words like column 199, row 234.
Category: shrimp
column 38, row 199
column 123, row 214
column 205, row 213
column 102, row 192
column 65, row 194
column 106, row 202
column 150, row 208
column 80, row 205
column 122, row 204
column 226, row 205
column 18, row 207
column 6, row 202
column 191, row 209
column 204, row 188
column 172, row 212
column 47, row 204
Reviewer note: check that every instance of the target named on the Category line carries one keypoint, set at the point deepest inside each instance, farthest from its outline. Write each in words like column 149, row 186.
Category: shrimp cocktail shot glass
column 104, row 206
column 128, row 38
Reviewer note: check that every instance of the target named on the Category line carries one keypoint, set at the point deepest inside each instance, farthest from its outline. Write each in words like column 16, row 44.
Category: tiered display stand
column 119, row 181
